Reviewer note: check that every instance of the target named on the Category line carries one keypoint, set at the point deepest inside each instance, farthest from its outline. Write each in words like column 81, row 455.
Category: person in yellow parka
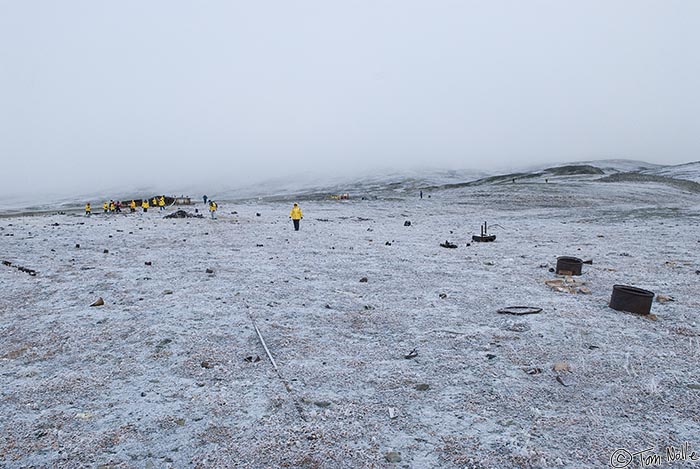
column 88, row 209
column 161, row 202
column 296, row 215
column 144, row 205
column 212, row 209
column 105, row 206
column 154, row 202
column 132, row 206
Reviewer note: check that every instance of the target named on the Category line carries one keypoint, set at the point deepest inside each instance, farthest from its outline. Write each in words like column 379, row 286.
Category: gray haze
column 97, row 95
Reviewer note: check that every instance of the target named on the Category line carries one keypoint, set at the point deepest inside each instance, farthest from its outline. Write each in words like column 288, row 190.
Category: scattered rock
column 257, row 214
column 664, row 298
column 167, row 292
column 183, row 214
column 448, row 245
column 422, row 387
column 407, row 223
column 77, row 246
column 387, row 243
column 490, row 356
column 210, row 271
column 148, row 263
column 98, row 302
column 393, row 456
column 561, row 366
column 443, row 295
column 565, row 380
column 106, row 251
column 412, row 354
column 322, row 404
column 363, row 280
column 258, row 245
column 532, row 371
column 251, row 359
column 694, row 386
column 207, row 365
column 392, row 413
column 180, row 422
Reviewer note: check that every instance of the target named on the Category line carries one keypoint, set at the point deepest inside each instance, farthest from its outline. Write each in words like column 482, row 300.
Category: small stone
column 210, row 271
column 180, row 422
column 561, row 366
column 98, row 302
column 167, row 292
column 106, row 251
column 148, row 263
column 443, row 295
column 393, row 456
column 363, row 280
column 77, row 246
column 257, row 214
column 407, row 223
column 143, row 394
column 490, row 356
column 207, row 365
column 422, row 387
column 322, row 404
column 694, row 386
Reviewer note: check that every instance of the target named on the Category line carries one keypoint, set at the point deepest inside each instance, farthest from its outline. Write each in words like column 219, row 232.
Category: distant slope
column 682, row 184
column 689, row 171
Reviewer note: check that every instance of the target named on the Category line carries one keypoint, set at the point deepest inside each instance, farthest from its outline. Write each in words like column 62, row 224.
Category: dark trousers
column 296, row 225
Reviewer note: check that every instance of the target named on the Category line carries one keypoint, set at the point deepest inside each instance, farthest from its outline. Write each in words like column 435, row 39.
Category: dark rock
column 106, row 251
column 422, row 387
column 210, row 271
column 207, row 365
column 77, row 246
column 448, row 244
column 148, row 263
column 257, row 214
column 392, row 456
column 551, row 269
column 322, row 404
column 490, row 356
column 443, row 295
column 363, row 280
column 407, row 223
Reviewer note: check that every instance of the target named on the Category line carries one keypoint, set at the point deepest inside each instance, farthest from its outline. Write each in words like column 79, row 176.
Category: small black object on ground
column 485, row 237
column 631, row 299
column 519, row 310
column 412, row 354
column 569, row 265
column 183, row 214
column 448, row 244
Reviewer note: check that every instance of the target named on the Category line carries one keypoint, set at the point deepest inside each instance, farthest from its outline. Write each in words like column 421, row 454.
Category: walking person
column 161, row 203
column 132, row 206
column 144, row 205
column 204, row 198
column 296, row 215
column 88, row 209
column 212, row 209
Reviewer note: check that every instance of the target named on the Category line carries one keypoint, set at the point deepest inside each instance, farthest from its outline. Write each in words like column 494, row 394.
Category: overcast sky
column 108, row 93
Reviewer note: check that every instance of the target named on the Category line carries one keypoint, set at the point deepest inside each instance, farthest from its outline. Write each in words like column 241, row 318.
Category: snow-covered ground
column 158, row 376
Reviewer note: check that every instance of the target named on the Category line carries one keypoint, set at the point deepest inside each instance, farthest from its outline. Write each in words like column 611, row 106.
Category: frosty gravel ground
column 158, row 377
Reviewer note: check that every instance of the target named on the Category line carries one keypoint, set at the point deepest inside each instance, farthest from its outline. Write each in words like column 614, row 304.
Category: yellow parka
column 105, row 205
column 144, row 204
column 154, row 202
column 161, row 202
column 88, row 208
column 132, row 204
column 296, row 213
column 213, row 207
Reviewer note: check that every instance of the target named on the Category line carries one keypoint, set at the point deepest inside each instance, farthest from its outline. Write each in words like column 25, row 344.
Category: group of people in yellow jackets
column 116, row 207
column 111, row 207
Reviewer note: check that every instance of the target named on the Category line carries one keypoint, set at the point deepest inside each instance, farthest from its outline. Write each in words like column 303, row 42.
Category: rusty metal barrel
column 631, row 299
column 569, row 265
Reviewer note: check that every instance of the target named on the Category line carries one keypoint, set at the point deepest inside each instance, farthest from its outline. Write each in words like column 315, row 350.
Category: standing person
column 421, row 194
column 154, row 202
column 112, row 207
column 161, row 203
column 88, row 209
column 144, row 205
column 205, row 198
column 119, row 206
column 296, row 215
column 132, row 205
column 212, row 209
column 105, row 206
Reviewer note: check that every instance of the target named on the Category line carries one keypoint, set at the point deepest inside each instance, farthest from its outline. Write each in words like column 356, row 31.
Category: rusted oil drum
column 631, row 299
column 569, row 265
